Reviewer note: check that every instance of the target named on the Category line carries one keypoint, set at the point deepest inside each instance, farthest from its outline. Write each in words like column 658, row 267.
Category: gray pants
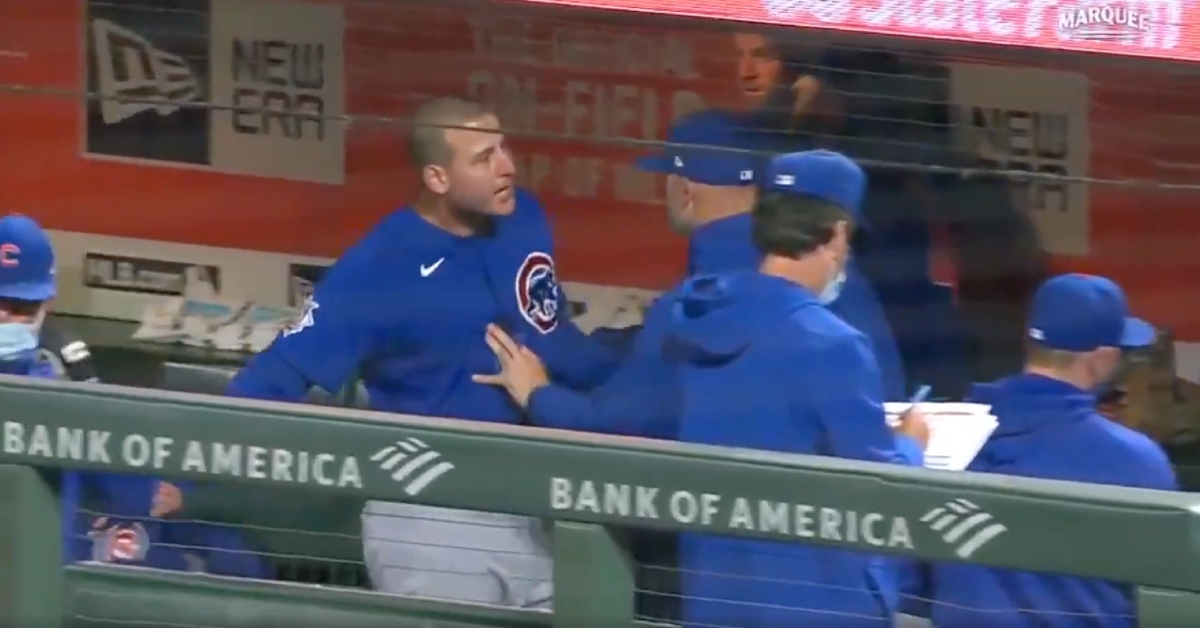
column 458, row 555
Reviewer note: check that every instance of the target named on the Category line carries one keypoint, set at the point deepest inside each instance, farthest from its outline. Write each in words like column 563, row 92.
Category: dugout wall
column 260, row 199
column 174, row 173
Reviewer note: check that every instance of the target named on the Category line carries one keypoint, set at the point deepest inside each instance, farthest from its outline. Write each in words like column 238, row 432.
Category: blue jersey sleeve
column 335, row 332
column 846, row 390
column 639, row 399
column 570, row 356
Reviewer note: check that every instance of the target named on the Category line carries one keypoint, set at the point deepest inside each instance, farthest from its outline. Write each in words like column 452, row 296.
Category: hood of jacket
column 714, row 318
column 1028, row 408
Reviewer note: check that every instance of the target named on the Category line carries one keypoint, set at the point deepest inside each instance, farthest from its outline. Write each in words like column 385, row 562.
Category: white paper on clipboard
column 957, row 431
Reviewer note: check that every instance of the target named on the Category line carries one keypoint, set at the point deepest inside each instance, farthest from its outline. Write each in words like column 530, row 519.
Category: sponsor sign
column 272, row 68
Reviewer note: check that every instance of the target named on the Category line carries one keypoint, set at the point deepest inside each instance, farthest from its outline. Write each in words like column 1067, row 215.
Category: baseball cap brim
column 1138, row 333
column 655, row 163
column 30, row 291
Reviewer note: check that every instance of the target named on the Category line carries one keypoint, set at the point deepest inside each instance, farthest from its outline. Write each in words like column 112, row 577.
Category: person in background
column 126, row 528
column 765, row 365
column 408, row 308
column 881, row 108
column 1049, row 427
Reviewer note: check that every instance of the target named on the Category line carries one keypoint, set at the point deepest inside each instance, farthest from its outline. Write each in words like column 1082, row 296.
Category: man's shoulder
column 815, row 324
column 375, row 257
column 1128, row 455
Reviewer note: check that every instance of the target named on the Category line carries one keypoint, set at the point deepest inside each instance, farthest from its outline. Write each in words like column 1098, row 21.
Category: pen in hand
column 920, row 396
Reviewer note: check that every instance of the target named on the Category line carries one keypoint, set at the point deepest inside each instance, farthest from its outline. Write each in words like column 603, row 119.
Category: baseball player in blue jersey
column 408, row 307
column 127, row 529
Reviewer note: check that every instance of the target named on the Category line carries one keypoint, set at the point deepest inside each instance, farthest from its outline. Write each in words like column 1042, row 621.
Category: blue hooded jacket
column 640, row 398
column 726, row 245
column 763, row 365
column 1047, row 429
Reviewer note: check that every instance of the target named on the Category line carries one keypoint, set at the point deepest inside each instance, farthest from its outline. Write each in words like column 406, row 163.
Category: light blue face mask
column 833, row 289
column 17, row 338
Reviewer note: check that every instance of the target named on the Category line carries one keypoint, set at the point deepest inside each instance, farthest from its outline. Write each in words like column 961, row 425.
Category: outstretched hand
column 521, row 370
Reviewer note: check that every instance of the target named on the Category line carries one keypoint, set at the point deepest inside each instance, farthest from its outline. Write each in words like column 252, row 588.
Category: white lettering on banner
column 1025, row 19
column 278, row 77
column 1033, row 121
column 573, row 108
column 712, row 510
column 159, row 453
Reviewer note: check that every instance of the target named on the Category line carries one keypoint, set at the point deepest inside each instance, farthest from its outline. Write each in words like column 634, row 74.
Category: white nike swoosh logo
column 428, row 270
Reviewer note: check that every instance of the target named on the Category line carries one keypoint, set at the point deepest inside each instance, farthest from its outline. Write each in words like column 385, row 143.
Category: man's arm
column 639, row 399
column 575, row 359
column 569, row 355
column 846, row 389
column 323, row 347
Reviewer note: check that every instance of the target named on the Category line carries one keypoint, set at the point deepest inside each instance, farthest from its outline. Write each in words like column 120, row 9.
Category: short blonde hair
column 427, row 141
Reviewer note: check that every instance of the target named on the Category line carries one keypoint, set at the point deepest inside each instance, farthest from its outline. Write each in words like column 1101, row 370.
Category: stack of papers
column 213, row 324
column 957, row 431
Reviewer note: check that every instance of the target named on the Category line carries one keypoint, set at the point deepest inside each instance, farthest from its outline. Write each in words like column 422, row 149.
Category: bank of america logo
column 133, row 76
column 963, row 525
column 412, row 463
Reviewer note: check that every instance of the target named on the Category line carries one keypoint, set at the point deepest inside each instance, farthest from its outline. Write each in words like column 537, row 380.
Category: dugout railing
column 581, row 482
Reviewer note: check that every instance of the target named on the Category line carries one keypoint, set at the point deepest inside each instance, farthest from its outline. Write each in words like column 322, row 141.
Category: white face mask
column 833, row 289
column 19, row 338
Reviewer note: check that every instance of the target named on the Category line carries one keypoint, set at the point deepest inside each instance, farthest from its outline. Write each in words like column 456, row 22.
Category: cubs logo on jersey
column 538, row 292
column 120, row 543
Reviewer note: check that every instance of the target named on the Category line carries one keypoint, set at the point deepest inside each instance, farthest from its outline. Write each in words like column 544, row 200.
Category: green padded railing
column 581, row 480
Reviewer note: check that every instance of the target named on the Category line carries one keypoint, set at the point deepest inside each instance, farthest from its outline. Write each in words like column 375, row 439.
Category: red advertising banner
column 1162, row 29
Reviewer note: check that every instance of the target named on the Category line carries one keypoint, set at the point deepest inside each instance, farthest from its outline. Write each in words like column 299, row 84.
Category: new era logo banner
column 145, row 67
column 136, row 77
column 264, row 79
column 278, row 85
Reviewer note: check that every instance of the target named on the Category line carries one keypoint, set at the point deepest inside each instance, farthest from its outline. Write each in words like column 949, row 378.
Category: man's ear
column 436, row 179
column 842, row 232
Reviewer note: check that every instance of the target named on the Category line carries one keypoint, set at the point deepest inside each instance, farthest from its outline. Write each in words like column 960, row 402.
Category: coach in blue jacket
column 1049, row 428
column 713, row 166
column 765, row 365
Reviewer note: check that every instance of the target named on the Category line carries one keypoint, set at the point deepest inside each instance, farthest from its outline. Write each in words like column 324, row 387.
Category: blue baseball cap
column 823, row 174
column 26, row 261
column 712, row 147
column 1082, row 313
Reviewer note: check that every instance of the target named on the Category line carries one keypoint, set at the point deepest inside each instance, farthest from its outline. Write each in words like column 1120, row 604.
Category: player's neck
column 441, row 214
column 1077, row 380
column 797, row 271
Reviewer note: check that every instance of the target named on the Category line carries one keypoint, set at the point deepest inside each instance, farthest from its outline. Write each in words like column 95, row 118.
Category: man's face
column 759, row 67
column 679, row 204
column 838, row 249
column 481, row 169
